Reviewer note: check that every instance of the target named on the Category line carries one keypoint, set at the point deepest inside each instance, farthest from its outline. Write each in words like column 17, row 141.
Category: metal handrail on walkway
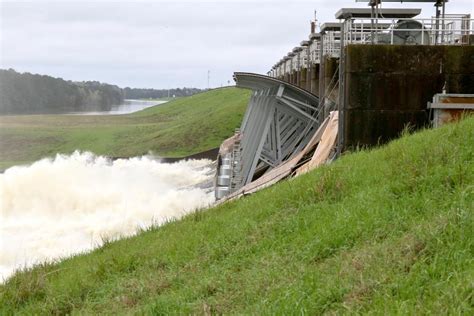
column 451, row 30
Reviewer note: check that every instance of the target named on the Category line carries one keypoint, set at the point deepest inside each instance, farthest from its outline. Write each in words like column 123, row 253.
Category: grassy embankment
column 178, row 128
column 385, row 231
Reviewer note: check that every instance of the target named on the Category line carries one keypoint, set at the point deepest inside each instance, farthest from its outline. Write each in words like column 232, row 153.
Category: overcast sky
column 161, row 44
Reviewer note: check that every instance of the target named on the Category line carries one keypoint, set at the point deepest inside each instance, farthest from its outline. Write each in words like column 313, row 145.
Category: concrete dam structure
column 357, row 82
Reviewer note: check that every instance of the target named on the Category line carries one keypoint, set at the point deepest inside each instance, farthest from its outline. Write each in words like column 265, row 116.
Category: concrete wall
column 303, row 76
column 330, row 68
column 387, row 87
column 314, row 80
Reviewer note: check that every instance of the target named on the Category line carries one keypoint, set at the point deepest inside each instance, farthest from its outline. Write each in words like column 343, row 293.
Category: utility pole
column 208, row 78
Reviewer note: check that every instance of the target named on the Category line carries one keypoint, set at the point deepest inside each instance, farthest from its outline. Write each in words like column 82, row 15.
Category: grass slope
column 383, row 231
column 178, row 128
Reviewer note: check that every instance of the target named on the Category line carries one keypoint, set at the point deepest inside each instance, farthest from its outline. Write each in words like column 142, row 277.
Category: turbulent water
column 69, row 204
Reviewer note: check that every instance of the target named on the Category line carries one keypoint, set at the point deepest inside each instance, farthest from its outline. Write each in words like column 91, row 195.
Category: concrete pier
column 387, row 87
column 381, row 74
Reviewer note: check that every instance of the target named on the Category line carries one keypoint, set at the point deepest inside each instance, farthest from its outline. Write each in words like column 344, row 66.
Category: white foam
column 69, row 204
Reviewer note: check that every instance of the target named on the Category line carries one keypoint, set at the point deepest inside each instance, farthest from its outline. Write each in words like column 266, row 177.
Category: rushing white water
column 69, row 204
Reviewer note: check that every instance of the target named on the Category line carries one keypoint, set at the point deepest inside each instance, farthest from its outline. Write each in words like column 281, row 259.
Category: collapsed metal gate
column 280, row 120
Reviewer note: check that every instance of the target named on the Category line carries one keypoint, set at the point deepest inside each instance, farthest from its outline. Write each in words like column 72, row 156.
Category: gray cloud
column 159, row 43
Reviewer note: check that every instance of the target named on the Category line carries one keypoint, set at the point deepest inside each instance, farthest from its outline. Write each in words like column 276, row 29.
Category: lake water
column 129, row 106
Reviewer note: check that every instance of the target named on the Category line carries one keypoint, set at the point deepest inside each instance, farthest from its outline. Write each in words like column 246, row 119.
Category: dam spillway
column 378, row 72
column 280, row 120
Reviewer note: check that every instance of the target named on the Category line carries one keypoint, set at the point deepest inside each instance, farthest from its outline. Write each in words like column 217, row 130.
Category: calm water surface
column 129, row 106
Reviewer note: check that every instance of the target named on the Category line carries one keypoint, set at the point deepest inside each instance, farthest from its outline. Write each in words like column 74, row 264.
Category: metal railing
column 314, row 52
column 288, row 66
column 295, row 62
column 331, row 47
column 332, row 44
column 453, row 29
column 304, row 58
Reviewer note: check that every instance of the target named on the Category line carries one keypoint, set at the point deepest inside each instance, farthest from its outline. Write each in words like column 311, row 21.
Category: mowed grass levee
column 387, row 231
column 178, row 128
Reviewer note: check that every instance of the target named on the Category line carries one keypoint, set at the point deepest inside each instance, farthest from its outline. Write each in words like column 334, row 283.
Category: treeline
column 136, row 93
column 25, row 93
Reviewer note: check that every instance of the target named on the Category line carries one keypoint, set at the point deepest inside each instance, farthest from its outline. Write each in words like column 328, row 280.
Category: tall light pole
column 208, row 77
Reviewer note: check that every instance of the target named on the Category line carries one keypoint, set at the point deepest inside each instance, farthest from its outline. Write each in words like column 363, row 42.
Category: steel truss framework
column 280, row 120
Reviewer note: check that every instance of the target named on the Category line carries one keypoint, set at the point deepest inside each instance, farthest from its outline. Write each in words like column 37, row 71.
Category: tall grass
column 385, row 231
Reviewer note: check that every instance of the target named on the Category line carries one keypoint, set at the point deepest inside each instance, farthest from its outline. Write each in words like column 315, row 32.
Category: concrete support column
column 327, row 90
column 303, row 78
column 321, row 84
column 388, row 87
column 314, row 81
column 309, row 72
